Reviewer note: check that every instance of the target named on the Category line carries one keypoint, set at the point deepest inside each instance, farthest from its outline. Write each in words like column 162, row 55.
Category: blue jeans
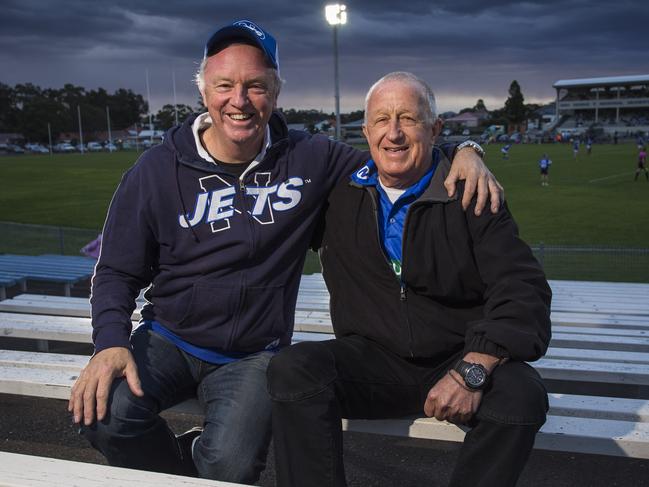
column 234, row 443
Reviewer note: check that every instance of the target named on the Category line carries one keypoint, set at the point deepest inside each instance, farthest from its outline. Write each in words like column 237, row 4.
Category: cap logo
column 251, row 26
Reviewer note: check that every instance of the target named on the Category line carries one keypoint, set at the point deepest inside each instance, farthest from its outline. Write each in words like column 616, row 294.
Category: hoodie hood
column 180, row 140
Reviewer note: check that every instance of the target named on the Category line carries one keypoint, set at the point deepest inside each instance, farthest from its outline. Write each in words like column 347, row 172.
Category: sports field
column 591, row 201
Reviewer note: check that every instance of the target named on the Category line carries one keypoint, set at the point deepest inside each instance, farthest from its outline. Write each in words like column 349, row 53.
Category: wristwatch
column 474, row 145
column 475, row 375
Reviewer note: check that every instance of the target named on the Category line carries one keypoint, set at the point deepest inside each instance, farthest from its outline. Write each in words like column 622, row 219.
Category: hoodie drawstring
column 182, row 202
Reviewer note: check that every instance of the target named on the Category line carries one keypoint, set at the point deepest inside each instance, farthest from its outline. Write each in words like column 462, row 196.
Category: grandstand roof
column 610, row 80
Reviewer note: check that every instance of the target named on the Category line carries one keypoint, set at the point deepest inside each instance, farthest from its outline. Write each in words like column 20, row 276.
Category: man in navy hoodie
column 214, row 223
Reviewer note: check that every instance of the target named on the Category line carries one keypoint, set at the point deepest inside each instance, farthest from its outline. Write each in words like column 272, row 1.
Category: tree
column 352, row 116
column 166, row 116
column 126, row 108
column 480, row 106
column 39, row 112
column 515, row 111
column 8, row 110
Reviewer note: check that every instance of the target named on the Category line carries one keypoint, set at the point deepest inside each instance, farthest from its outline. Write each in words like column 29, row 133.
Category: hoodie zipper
column 403, row 295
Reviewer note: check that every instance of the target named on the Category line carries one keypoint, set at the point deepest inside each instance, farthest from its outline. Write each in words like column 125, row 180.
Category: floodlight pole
column 110, row 137
column 336, row 15
column 336, row 82
column 148, row 99
column 49, row 135
column 80, row 130
column 173, row 79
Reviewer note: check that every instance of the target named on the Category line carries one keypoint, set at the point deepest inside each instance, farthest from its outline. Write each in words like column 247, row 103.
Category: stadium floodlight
column 336, row 14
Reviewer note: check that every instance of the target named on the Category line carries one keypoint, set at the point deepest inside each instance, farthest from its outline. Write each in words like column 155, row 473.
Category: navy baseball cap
column 245, row 29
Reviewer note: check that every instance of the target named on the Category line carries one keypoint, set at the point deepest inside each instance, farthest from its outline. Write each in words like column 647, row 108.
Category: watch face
column 475, row 376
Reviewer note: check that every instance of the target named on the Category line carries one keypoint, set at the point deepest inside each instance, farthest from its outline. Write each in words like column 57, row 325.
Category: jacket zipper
column 402, row 285
column 403, row 271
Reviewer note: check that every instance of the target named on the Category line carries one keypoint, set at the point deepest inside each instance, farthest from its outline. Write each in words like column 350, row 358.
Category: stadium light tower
column 336, row 15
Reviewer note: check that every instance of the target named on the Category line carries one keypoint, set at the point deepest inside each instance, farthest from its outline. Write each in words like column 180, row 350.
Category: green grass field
column 590, row 202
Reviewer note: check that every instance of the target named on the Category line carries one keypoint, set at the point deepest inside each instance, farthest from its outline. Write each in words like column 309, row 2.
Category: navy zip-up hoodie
column 222, row 257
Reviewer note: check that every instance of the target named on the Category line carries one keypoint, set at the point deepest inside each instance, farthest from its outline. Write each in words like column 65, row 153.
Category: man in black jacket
column 434, row 309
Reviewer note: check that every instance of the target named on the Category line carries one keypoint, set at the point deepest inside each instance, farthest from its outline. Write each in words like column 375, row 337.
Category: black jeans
column 315, row 384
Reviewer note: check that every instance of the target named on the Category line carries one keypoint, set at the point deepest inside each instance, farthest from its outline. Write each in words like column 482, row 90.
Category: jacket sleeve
column 342, row 160
column 516, row 322
column 125, row 264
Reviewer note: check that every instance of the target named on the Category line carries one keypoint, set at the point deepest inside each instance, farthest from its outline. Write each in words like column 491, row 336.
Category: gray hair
column 199, row 78
column 425, row 91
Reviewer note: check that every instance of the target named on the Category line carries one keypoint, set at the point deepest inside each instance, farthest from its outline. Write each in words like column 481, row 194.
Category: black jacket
column 468, row 283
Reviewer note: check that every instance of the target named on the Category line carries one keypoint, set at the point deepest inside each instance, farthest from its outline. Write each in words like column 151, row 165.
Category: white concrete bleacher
column 32, row 471
column 606, row 345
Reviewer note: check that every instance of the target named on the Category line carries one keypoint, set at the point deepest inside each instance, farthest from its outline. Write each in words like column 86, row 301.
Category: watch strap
column 473, row 145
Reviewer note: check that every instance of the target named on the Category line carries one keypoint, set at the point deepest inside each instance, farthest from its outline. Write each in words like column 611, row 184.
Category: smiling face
column 400, row 132
column 240, row 93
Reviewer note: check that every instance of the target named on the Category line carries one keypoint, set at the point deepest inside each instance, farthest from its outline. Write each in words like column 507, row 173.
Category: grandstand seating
column 600, row 340
column 64, row 269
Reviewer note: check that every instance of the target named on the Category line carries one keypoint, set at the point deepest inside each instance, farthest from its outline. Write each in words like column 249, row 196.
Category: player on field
column 505, row 151
column 642, row 164
column 544, row 163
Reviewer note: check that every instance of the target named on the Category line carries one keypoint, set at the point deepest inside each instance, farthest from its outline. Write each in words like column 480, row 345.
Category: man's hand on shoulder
column 90, row 391
column 468, row 165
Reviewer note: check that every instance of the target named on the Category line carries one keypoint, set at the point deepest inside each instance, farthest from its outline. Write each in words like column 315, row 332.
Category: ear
column 277, row 89
column 365, row 133
column 436, row 128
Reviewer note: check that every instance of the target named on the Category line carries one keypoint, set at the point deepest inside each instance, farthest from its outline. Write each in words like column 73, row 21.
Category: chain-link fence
column 20, row 238
column 594, row 263
column 581, row 263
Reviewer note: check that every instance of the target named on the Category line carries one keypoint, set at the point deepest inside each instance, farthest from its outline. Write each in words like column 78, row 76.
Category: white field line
column 611, row 177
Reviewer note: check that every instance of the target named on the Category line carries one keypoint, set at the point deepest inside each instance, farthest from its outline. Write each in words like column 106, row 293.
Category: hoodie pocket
column 212, row 308
column 261, row 320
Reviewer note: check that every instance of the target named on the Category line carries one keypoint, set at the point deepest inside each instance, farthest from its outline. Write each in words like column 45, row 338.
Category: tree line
column 27, row 109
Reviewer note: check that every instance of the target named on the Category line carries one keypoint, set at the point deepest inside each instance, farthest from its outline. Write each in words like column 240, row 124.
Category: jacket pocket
column 261, row 320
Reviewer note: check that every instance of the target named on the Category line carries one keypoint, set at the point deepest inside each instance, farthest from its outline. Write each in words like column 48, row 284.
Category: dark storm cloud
column 465, row 48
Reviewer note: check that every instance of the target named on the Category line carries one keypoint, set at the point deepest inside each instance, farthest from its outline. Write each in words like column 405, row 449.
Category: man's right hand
column 90, row 391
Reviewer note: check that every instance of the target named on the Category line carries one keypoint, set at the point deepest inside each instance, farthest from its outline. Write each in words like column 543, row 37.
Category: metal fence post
column 61, row 241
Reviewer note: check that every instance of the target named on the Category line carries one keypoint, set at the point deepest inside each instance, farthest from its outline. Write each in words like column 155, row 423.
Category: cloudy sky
column 466, row 49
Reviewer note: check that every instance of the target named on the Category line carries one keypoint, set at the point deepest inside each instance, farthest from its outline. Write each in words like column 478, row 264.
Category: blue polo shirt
column 392, row 216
